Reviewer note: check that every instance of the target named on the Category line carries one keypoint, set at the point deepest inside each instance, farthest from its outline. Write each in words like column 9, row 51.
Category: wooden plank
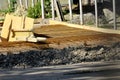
column 29, row 22
column 16, row 24
column 23, row 27
column 6, row 27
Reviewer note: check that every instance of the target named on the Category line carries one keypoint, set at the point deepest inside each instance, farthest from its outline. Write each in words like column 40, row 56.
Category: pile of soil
column 64, row 45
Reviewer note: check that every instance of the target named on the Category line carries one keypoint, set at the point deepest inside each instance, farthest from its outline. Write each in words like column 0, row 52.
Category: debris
column 51, row 56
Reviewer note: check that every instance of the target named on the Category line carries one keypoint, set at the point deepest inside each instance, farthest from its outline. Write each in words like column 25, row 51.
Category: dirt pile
column 69, row 55
column 64, row 45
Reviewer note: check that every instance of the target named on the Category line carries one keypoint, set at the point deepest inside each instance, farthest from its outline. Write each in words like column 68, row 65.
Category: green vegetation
column 48, row 13
column 35, row 12
column 1, row 19
column 11, row 8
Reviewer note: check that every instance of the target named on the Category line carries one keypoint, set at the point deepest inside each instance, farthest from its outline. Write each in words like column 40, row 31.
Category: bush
column 48, row 8
column 12, row 6
column 35, row 12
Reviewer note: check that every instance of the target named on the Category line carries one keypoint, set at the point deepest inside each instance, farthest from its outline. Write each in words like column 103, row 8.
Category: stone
column 108, row 15
column 84, row 2
column 100, row 51
column 89, row 18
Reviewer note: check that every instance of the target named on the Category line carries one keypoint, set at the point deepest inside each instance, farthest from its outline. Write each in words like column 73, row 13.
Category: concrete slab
column 52, row 22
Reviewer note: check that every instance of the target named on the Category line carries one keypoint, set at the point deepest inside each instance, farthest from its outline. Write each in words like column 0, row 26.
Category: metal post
column 59, row 10
column 53, row 9
column 26, row 4
column 81, row 12
column 70, row 9
column 20, row 2
column 42, row 7
column 114, row 14
column 96, row 13
column 9, row 3
column 32, row 3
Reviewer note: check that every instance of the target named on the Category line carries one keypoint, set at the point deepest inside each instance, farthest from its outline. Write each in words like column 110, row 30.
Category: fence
column 97, row 6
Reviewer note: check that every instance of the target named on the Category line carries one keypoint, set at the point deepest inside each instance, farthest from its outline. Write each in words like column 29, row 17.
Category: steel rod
column 114, row 14
column 70, row 9
column 26, row 4
column 53, row 9
column 96, row 13
column 81, row 12
column 9, row 3
column 32, row 3
column 20, row 2
column 42, row 7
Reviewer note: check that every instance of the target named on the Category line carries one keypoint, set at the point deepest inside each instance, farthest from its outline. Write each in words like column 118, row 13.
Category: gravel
column 52, row 56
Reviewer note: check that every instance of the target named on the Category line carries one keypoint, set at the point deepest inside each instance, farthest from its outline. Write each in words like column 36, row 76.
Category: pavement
column 81, row 71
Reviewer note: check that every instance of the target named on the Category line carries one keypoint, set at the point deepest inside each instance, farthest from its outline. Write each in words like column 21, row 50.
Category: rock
column 84, row 2
column 56, row 61
column 89, row 18
column 15, row 52
column 100, row 51
column 108, row 10
column 80, row 53
column 108, row 15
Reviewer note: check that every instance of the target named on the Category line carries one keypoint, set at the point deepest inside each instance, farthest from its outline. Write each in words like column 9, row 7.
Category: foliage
column 35, row 12
column 12, row 6
column 3, row 11
column 1, row 19
column 48, row 8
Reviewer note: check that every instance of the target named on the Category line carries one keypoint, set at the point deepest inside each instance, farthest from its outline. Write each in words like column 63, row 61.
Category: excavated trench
column 64, row 45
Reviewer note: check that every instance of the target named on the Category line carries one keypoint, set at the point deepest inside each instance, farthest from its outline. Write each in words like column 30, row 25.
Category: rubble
column 52, row 56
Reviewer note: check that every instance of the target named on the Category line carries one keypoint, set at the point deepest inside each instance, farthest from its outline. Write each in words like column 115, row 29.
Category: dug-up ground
column 64, row 45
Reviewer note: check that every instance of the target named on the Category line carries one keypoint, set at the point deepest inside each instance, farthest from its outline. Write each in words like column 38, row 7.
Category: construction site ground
column 60, row 36
column 67, row 54
column 64, row 45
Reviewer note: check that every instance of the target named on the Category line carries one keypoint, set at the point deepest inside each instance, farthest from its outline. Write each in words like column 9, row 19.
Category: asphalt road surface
column 81, row 71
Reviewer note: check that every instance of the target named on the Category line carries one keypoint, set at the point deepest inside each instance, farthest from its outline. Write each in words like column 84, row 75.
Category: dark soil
column 52, row 56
